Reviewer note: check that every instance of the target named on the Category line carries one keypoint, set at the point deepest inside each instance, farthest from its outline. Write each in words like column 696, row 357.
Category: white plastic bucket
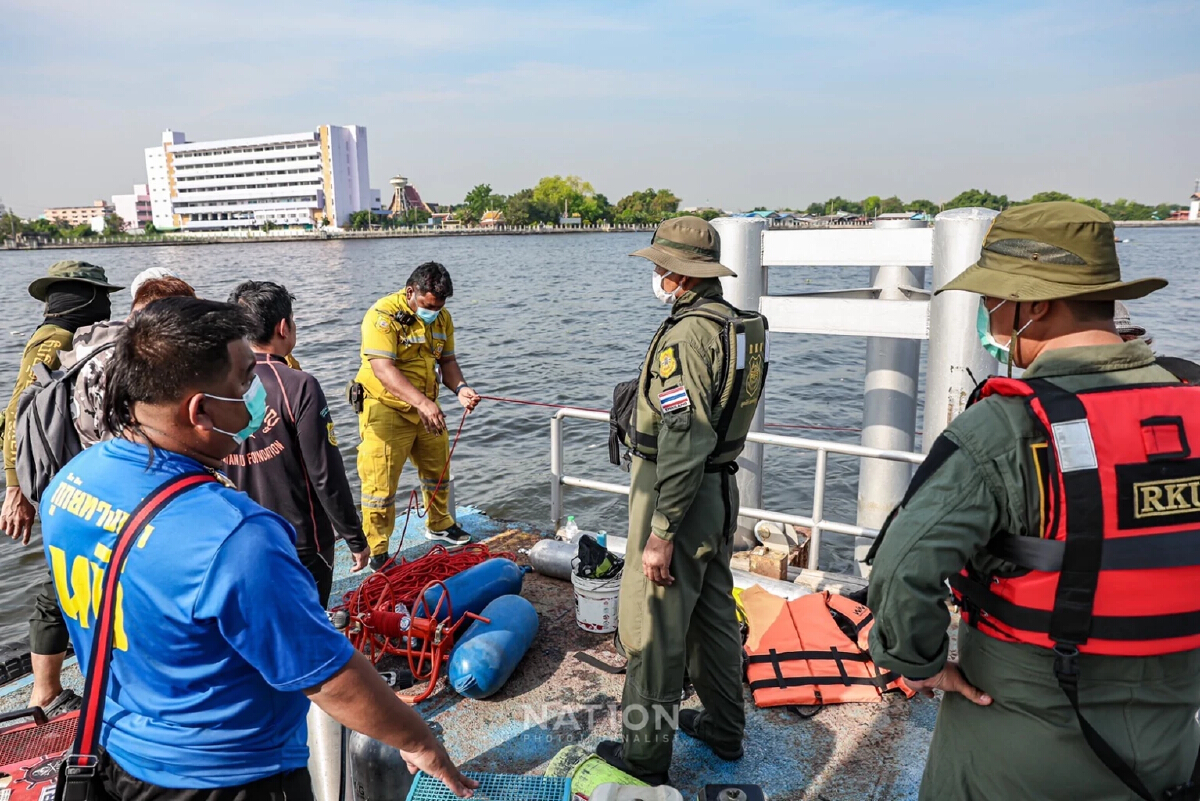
column 596, row 603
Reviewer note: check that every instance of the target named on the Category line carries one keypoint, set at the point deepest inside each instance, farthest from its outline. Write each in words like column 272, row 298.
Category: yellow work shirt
column 391, row 330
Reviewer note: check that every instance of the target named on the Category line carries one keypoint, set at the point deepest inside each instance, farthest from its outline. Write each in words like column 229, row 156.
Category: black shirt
column 292, row 465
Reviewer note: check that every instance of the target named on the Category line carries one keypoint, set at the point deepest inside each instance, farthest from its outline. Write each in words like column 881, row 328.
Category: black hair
column 432, row 277
column 266, row 305
column 171, row 346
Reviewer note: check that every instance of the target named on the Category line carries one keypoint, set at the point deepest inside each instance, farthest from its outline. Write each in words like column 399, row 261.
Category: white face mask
column 659, row 292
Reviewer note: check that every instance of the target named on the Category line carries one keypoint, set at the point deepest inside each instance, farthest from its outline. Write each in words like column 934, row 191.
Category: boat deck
column 863, row 751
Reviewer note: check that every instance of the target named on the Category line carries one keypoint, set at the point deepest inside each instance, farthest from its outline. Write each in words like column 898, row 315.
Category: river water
column 557, row 319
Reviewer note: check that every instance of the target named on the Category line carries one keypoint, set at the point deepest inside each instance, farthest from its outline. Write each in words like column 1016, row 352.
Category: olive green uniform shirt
column 687, row 437
column 43, row 347
column 1027, row 744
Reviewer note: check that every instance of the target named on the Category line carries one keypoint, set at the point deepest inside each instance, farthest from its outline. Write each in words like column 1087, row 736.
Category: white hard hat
column 148, row 275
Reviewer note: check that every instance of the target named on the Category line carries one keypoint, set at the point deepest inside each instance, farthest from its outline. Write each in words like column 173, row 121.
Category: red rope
column 604, row 411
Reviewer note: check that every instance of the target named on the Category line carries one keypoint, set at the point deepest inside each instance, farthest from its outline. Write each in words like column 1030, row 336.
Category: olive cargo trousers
column 690, row 625
column 388, row 439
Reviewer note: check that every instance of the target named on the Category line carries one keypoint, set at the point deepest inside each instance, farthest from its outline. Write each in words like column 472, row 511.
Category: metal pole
column 818, row 510
column 556, row 471
column 889, row 401
column 741, row 251
column 956, row 359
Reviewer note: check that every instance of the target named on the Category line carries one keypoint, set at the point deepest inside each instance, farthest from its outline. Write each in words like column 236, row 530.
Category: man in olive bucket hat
column 75, row 295
column 979, row 513
column 700, row 384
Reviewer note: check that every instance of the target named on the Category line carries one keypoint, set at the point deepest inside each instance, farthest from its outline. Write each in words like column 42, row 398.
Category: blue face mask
column 428, row 315
column 256, row 403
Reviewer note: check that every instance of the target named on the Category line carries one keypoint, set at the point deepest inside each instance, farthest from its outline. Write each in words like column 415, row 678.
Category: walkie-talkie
column 404, row 318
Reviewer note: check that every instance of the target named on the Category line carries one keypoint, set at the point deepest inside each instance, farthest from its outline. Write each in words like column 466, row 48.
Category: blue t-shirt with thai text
column 218, row 629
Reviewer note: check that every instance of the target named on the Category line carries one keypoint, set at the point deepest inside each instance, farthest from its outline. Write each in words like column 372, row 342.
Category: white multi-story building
column 134, row 210
column 298, row 179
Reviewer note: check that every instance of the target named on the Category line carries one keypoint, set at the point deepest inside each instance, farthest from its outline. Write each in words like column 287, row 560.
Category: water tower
column 399, row 204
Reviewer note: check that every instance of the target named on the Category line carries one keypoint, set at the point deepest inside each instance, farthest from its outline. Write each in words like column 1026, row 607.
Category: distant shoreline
column 237, row 238
column 169, row 240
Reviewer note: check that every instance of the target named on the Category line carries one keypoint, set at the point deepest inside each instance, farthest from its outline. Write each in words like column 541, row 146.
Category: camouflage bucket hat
column 686, row 246
column 70, row 271
column 1051, row 251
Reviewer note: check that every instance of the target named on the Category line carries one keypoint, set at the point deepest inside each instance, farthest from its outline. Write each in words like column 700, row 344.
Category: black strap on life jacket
column 1071, row 620
column 81, row 765
column 776, row 659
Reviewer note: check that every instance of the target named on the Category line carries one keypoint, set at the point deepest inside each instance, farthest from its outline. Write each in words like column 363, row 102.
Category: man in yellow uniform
column 407, row 346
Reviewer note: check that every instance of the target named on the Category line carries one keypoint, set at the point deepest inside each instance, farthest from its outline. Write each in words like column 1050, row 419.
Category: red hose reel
column 377, row 630
column 425, row 639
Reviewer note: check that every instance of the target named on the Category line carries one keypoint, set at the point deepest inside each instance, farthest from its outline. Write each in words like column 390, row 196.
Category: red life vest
column 798, row 654
column 1117, row 566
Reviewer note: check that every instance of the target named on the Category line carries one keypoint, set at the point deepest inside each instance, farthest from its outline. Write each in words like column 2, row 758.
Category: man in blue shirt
column 219, row 641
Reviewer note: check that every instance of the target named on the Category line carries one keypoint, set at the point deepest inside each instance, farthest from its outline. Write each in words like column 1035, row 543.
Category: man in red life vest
column 1064, row 510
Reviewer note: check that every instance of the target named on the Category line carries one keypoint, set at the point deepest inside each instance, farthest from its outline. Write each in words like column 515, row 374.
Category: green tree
column 1043, row 197
column 11, row 225
column 891, row 205
column 815, row 209
column 648, row 207
column 562, row 193
column 1122, row 209
column 870, row 205
column 44, row 228
column 82, row 230
column 151, row 229
column 524, row 209
column 481, row 199
column 839, row 203
column 975, row 199
column 114, row 225
column 269, row 226
column 708, row 214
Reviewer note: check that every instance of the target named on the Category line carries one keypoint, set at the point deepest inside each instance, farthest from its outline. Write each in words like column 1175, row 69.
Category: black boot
column 688, row 718
column 612, row 752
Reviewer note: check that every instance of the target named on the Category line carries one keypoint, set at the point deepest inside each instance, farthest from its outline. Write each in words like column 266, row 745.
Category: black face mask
column 74, row 304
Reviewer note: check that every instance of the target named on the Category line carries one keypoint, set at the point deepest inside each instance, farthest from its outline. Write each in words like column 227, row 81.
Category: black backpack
column 46, row 435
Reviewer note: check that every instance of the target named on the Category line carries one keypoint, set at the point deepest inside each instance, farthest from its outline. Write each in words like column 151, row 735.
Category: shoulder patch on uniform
column 674, row 400
column 668, row 363
column 332, row 436
column 383, row 321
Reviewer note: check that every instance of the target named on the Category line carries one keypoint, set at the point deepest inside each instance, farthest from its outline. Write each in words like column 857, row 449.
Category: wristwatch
column 460, row 387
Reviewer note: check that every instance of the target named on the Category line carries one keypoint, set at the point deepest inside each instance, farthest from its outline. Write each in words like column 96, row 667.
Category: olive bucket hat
column 1051, row 251
column 686, row 246
column 71, row 271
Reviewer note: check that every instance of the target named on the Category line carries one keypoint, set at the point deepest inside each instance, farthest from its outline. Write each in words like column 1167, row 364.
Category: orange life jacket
column 798, row 653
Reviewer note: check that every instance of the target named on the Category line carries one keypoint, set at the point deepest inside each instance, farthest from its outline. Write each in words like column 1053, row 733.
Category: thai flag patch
column 674, row 400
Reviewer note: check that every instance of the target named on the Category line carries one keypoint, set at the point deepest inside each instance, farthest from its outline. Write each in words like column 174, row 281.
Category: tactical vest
column 812, row 650
column 745, row 345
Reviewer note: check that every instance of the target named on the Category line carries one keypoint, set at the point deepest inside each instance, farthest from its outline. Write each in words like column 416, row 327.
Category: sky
column 733, row 105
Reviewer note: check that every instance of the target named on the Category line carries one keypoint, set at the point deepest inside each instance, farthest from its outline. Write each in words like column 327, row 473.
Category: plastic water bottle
column 406, row 619
column 570, row 531
column 602, row 538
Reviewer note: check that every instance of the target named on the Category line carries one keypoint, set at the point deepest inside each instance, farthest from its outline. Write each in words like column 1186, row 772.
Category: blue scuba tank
column 489, row 652
column 475, row 588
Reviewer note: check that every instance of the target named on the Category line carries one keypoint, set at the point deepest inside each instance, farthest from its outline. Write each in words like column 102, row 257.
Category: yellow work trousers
column 388, row 439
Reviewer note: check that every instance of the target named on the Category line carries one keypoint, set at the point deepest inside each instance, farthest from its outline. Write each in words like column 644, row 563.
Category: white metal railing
column 815, row 522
